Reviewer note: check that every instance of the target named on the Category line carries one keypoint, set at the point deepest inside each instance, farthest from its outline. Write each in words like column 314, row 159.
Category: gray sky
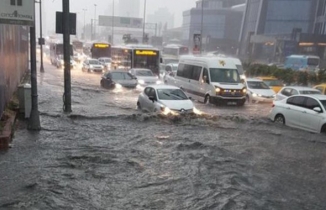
column 51, row 6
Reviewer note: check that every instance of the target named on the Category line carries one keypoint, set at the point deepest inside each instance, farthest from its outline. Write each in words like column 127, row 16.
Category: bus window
column 313, row 61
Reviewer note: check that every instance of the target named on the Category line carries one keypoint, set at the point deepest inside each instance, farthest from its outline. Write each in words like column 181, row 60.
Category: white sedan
column 295, row 90
column 145, row 77
column 259, row 91
column 306, row 112
column 166, row 99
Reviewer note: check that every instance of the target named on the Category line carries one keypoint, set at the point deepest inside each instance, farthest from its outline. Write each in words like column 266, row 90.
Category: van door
column 205, row 85
column 182, row 78
column 194, row 82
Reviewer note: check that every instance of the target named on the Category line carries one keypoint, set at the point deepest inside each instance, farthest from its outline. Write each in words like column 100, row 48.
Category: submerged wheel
column 138, row 106
column 207, row 99
column 279, row 119
column 323, row 129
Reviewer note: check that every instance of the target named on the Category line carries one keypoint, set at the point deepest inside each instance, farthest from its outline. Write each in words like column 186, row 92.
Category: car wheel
column 138, row 105
column 323, row 129
column 279, row 119
column 207, row 99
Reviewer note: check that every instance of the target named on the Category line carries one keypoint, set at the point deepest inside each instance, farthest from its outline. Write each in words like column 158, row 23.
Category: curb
column 8, row 131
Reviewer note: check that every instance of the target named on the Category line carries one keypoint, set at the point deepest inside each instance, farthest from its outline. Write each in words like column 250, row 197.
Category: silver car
column 145, row 77
column 92, row 65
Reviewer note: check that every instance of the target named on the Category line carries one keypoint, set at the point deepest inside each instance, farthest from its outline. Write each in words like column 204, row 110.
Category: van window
column 205, row 73
column 224, row 75
column 196, row 71
column 240, row 69
column 180, row 70
column 187, row 72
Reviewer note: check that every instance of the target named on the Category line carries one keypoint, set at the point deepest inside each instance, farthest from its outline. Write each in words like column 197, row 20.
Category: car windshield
column 107, row 60
column 257, row 85
column 313, row 61
column 94, row 62
column 121, row 76
column 171, row 94
column 174, row 67
column 224, row 75
column 145, row 73
column 310, row 92
column 273, row 82
column 323, row 102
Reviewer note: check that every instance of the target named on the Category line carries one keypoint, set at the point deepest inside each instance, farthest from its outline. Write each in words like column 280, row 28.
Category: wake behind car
column 258, row 91
column 164, row 98
column 145, row 77
column 117, row 79
column 306, row 112
column 92, row 65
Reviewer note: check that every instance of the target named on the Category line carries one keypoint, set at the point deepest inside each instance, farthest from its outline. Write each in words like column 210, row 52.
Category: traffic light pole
column 66, row 56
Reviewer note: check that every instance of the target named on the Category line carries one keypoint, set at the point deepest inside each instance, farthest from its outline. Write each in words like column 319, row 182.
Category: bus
column 100, row 49
column 136, row 56
column 302, row 62
column 175, row 50
column 56, row 49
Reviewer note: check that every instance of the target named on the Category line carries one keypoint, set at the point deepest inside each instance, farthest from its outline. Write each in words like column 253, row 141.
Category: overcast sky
column 51, row 6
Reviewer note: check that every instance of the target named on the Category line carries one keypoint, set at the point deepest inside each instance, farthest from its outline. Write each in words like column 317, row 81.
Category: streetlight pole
column 95, row 21
column 84, row 36
column 112, row 36
column 144, row 21
column 41, row 36
column 201, row 27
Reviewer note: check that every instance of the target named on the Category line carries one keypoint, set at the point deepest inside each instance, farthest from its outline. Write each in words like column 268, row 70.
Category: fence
column 13, row 60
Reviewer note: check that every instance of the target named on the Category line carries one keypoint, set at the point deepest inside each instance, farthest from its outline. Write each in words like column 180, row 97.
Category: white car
column 164, row 98
column 92, row 65
column 258, row 91
column 106, row 62
column 288, row 91
column 145, row 77
column 307, row 112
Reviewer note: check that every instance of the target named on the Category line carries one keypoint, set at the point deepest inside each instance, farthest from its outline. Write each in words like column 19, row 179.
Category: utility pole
column 84, row 36
column 92, row 34
column 112, row 37
column 41, row 38
column 144, row 21
column 95, row 21
column 201, row 27
column 34, row 118
column 66, row 55
column 155, row 29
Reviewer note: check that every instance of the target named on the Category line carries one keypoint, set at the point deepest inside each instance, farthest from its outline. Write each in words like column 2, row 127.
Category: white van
column 236, row 61
column 211, row 79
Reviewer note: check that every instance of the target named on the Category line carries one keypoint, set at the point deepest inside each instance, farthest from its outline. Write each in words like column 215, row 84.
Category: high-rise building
column 219, row 26
column 279, row 28
column 163, row 18
column 129, row 8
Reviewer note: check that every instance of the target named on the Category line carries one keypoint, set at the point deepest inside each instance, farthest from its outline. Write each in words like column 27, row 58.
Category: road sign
column 123, row 22
column 17, row 12
column 59, row 23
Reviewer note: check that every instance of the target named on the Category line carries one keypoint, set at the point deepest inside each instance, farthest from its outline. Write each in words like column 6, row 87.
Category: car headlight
column 254, row 95
column 158, row 82
column 91, row 66
column 141, row 82
column 62, row 62
column 218, row 90
column 244, row 90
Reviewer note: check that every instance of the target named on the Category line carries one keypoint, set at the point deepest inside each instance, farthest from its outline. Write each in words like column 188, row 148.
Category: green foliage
column 288, row 76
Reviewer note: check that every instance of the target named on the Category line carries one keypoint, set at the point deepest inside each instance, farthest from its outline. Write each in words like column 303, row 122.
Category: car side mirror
column 317, row 109
column 190, row 97
column 152, row 98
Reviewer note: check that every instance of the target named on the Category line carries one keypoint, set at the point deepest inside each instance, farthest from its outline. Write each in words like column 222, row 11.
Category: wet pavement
column 108, row 155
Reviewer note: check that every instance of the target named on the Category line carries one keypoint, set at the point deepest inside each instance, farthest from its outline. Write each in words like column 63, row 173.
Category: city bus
column 136, row 56
column 100, row 49
column 56, row 49
column 302, row 62
column 175, row 50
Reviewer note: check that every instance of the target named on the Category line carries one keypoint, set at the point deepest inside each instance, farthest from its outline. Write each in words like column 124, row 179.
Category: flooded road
column 108, row 155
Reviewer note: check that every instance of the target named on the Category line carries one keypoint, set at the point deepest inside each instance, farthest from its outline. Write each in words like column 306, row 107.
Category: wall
column 13, row 60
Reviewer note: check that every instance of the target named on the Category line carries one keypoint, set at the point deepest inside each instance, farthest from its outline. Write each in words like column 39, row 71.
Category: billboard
column 123, row 22
column 17, row 12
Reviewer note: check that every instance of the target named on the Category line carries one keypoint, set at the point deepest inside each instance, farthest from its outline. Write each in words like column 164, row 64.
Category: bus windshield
column 100, row 50
column 148, row 61
column 224, row 75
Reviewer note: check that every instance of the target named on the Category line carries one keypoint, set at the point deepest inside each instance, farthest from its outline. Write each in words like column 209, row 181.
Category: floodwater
column 108, row 155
